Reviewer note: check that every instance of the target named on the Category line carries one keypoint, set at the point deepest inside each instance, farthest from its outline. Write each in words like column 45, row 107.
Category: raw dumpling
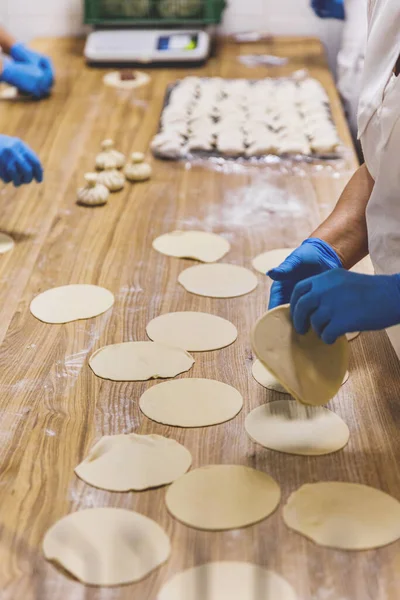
column 113, row 179
column 94, row 194
column 109, row 158
column 137, row 170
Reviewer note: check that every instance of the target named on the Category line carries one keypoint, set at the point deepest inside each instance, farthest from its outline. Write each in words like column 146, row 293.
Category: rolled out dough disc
column 198, row 245
column 221, row 497
column 309, row 369
column 227, row 581
column 71, row 303
column 191, row 403
column 120, row 463
column 218, row 281
column 347, row 516
column 113, row 79
column 267, row 380
column 269, row 260
column 193, row 331
column 6, row 243
column 352, row 336
column 287, row 426
column 139, row 361
column 107, row 546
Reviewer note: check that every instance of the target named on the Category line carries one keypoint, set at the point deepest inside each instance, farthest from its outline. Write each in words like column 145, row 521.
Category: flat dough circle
column 193, row 331
column 267, row 380
column 198, row 245
column 227, row 581
column 191, row 403
column 120, row 463
column 139, row 361
column 218, row 280
column 107, row 546
column 6, row 243
column 113, row 79
column 269, row 260
column 352, row 336
column 287, row 426
column 347, row 516
column 71, row 303
column 309, row 369
column 221, row 497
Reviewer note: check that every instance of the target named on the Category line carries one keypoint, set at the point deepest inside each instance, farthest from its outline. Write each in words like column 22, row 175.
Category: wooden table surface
column 52, row 407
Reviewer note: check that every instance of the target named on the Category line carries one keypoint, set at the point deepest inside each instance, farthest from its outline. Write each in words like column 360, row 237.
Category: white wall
column 31, row 18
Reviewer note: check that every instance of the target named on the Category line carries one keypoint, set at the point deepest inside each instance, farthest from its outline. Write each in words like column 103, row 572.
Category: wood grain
column 52, row 407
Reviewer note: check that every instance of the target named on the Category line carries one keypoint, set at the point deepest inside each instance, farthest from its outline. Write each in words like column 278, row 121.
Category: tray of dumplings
column 240, row 118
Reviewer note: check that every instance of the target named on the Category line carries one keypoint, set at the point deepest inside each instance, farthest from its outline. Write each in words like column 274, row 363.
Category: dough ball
column 198, row 245
column 120, row 463
column 112, row 179
column 107, row 546
column 346, row 516
column 218, row 280
column 191, row 402
column 94, row 194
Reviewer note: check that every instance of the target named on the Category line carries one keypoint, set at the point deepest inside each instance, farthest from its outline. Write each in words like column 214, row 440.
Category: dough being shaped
column 113, row 179
column 6, row 243
column 137, row 170
column 267, row 380
column 347, row 516
column 227, row 581
column 191, row 403
column 269, row 260
column 114, row 79
column 198, row 245
column 120, row 463
column 309, row 369
column 192, row 331
column 221, row 497
column 218, row 280
column 287, row 426
column 109, row 158
column 107, row 546
column 94, row 194
column 139, row 361
column 71, row 303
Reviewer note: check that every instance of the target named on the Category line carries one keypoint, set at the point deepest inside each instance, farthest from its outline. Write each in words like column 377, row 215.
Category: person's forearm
column 7, row 41
column 346, row 229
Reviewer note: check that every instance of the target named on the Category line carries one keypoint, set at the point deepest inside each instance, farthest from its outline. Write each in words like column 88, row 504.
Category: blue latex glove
column 18, row 163
column 22, row 54
column 329, row 9
column 28, row 78
column 313, row 257
column 340, row 302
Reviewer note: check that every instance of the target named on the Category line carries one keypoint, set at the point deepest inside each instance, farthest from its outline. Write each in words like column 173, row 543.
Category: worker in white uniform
column 315, row 279
column 32, row 73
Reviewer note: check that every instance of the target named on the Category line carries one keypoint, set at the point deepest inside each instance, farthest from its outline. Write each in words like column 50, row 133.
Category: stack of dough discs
column 71, row 303
column 221, row 497
column 6, row 243
column 271, row 259
column 120, row 463
column 227, row 581
column 193, row 331
column 218, row 281
column 139, row 361
column 107, row 546
column 198, row 245
column 267, row 380
column 191, row 403
column 287, row 426
column 309, row 369
column 347, row 516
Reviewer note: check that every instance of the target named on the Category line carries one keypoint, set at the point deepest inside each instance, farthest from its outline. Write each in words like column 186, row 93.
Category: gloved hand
column 329, row 9
column 340, row 302
column 22, row 54
column 28, row 78
column 313, row 257
column 18, row 163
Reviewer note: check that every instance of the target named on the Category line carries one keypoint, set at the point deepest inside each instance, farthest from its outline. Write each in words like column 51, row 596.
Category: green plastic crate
column 160, row 13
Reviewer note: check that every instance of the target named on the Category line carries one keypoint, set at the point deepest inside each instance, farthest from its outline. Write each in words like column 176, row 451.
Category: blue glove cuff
column 329, row 253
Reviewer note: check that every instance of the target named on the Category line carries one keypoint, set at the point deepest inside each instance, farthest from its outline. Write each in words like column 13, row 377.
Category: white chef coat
column 379, row 131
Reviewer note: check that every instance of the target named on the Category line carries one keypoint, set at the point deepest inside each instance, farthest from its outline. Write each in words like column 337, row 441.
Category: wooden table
column 52, row 407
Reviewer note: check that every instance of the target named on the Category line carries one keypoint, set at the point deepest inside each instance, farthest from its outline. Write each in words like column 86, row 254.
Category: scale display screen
column 178, row 41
